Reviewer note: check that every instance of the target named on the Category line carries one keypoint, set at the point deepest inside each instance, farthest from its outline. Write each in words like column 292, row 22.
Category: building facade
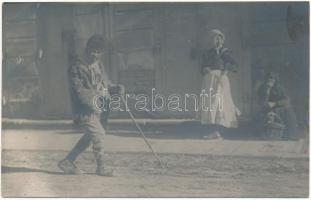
column 150, row 45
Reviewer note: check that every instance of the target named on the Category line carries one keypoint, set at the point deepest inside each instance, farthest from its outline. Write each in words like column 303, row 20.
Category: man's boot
column 69, row 167
column 102, row 170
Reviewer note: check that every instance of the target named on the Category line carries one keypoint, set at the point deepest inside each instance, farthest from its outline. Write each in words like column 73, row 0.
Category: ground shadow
column 8, row 169
column 189, row 130
column 183, row 130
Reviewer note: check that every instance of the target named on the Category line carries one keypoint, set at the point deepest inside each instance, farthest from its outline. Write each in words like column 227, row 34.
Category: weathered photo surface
column 155, row 99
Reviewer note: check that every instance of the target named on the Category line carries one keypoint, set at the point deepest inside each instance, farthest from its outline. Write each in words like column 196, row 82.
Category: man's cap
column 96, row 42
column 271, row 75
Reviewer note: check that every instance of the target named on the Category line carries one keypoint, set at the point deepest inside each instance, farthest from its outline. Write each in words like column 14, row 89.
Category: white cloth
column 100, row 79
column 219, row 106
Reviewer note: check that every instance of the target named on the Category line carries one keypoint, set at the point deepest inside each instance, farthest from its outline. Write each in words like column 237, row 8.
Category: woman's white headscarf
column 215, row 32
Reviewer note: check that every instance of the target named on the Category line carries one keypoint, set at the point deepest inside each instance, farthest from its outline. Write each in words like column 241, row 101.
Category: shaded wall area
column 279, row 42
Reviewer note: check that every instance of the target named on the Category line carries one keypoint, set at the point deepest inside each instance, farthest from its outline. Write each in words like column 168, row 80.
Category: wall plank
column 19, row 11
column 20, row 47
column 20, row 29
column 133, row 20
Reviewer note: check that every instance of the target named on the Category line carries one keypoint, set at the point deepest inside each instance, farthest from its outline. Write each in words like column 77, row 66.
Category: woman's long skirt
column 217, row 106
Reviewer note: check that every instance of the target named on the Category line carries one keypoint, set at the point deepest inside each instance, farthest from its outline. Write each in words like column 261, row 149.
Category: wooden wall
column 158, row 40
column 21, row 81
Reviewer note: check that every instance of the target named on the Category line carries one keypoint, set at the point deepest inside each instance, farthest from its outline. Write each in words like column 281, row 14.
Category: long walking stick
column 142, row 134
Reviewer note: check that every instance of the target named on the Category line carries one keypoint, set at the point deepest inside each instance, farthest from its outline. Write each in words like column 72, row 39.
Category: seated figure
column 275, row 109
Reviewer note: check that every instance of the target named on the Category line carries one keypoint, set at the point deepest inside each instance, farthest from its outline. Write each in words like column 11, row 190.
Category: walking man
column 87, row 82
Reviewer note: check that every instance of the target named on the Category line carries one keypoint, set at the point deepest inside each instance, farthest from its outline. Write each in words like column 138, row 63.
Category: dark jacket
column 276, row 95
column 221, row 61
column 81, row 88
column 282, row 108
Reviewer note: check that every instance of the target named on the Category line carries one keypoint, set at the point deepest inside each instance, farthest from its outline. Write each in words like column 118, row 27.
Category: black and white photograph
column 155, row 99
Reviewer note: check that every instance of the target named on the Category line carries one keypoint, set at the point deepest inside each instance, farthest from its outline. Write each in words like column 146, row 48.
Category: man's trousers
column 93, row 127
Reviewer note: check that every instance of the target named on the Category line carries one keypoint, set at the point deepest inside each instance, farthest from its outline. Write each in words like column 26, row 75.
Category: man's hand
column 116, row 90
column 122, row 90
column 271, row 104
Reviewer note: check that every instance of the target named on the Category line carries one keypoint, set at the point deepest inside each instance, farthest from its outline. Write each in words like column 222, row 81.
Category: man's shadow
column 8, row 169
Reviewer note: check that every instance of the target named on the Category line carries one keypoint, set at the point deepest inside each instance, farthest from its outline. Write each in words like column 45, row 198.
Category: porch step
column 9, row 123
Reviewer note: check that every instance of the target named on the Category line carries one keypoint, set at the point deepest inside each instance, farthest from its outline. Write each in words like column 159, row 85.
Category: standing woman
column 219, row 109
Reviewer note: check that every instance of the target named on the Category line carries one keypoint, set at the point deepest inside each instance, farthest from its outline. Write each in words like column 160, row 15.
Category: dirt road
column 35, row 174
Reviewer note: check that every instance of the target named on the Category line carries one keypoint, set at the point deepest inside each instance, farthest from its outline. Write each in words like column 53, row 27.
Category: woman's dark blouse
column 221, row 61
